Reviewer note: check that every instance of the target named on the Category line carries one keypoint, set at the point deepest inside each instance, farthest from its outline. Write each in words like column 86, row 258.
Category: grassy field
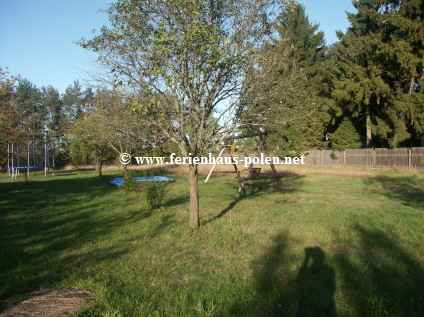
column 327, row 244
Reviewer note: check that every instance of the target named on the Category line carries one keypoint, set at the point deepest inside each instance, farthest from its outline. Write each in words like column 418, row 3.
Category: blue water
column 120, row 180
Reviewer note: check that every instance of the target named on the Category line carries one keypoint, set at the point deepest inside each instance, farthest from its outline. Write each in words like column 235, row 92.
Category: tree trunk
column 99, row 168
column 368, row 128
column 125, row 168
column 194, row 196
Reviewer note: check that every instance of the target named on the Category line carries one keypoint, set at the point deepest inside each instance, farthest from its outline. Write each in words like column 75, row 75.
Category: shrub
column 155, row 193
column 130, row 185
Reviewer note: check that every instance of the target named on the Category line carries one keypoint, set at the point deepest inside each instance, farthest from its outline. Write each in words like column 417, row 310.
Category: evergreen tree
column 345, row 137
column 28, row 107
column 380, row 64
column 289, row 90
column 405, row 26
column 52, row 107
column 76, row 101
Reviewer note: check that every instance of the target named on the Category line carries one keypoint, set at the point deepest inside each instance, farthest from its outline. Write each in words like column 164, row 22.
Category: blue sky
column 37, row 37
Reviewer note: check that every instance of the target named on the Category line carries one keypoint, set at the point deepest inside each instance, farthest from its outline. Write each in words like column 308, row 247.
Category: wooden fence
column 381, row 157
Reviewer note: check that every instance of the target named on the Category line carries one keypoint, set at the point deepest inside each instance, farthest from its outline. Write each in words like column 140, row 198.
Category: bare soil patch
column 56, row 302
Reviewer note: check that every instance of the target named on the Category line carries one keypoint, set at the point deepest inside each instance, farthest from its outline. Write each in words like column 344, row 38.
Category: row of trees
column 32, row 114
column 365, row 90
column 86, row 126
column 28, row 112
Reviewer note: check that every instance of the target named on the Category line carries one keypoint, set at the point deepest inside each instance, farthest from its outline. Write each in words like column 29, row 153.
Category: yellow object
column 233, row 147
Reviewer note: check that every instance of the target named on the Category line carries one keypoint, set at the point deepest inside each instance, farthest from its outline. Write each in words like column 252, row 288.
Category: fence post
column 373, row 157
column 409, row 158
column 344, row 157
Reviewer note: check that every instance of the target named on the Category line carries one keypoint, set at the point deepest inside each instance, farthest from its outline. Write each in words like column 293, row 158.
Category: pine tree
column 76, row 101
column 27, row 104
column 290, row 85
column 52, row 107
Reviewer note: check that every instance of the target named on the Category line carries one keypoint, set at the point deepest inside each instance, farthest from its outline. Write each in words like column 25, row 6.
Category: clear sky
column 37, row 37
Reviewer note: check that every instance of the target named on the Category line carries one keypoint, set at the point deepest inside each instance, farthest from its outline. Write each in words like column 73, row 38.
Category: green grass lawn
column 324, row 245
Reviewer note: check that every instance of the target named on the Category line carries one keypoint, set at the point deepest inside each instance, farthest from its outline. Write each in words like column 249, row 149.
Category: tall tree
column 111, row 123
column 380, row 62
column 184, row 57
column 404, row 26
column 9, row 128
column 76, row 101
column 290, row 93
column 27, row 103
column 52, row 110
column 85, row 147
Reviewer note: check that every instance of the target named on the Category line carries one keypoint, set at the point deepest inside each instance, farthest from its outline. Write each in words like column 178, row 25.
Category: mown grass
column 324, row 245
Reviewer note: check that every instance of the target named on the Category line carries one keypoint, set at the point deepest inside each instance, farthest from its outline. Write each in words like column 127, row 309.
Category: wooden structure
column 250, row 173
column 372, row 157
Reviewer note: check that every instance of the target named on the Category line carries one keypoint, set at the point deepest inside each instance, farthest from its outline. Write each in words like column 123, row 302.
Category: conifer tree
column 380, row 65
column 27, row 103
column 345, row 137
column 290, row 87
column 406, row 52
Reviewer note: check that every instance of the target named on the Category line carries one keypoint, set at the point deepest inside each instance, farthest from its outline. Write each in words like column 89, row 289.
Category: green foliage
column 155, row 193
column 289, row 91
column 345, row 137
column 191, row 56
column 334, row 156
column 76, row 101
column 380, row 71
column 9, row 128
column 80, row 152
column 130, row 185
column 86, row 145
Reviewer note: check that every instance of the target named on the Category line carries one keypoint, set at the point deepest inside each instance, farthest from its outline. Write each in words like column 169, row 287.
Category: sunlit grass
column 75, row 229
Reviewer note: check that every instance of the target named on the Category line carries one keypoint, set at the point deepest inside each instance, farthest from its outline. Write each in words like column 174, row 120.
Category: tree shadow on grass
column 166, row 221
column 280, row 293
column 255, row 188
column 409, row 190
column 44, row 240
column 379, row 277
column 177, row 201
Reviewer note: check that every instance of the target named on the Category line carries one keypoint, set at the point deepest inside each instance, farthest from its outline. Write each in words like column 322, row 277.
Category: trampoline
column 25, row 167
column 119, row 181
column 28, row 158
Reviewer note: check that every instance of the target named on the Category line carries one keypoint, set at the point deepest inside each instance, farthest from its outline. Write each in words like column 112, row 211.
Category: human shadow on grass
column 316, row 285
column 44, row 241
column 280, row 293
column 378, row 276
column 409, row 190
column 291, row 182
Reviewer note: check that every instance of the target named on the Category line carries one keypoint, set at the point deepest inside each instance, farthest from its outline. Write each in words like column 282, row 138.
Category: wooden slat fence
column 379, row 157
